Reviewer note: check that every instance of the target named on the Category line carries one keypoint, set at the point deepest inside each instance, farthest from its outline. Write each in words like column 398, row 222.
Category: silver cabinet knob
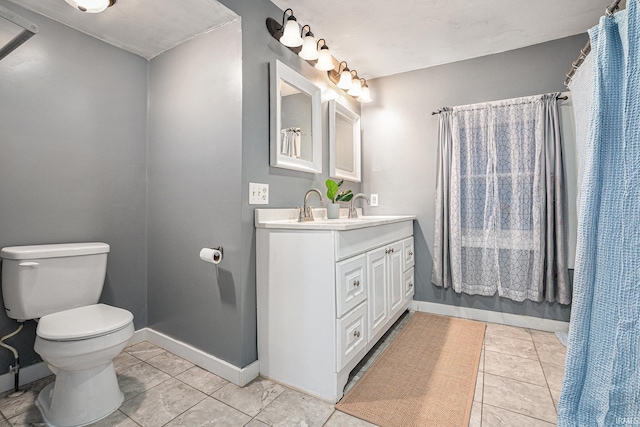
column 386, row 251
column 356, row 334
column 410, row 285
column 410, row 253
column 356, row 283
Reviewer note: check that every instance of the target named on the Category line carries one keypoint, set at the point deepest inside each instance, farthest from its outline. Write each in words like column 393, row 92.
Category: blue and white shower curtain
column 602, row 376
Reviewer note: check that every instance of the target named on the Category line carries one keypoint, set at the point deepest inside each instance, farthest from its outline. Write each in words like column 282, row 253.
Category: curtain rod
column 560, row 98
column 587, row 48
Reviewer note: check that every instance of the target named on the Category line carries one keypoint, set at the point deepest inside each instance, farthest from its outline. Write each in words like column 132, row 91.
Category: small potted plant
column 333, row 208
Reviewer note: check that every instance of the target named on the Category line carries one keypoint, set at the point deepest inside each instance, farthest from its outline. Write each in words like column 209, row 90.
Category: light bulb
column 356, row 87
column 91, row 6
column 366, row 94
column 309, row 50
column 325, row 62
column 345, row 80
column 291, row 35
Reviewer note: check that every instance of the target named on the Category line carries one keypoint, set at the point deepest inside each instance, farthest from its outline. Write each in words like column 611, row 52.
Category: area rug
column 426, row 377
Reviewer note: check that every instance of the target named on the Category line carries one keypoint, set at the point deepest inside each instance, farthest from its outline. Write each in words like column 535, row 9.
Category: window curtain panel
column 602, row 375
column 500, row 201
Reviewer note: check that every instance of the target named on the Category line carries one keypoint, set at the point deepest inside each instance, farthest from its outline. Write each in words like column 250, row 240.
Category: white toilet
column 78, row 338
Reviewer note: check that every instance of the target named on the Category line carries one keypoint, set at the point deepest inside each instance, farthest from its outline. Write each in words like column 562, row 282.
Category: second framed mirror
column 344, row 143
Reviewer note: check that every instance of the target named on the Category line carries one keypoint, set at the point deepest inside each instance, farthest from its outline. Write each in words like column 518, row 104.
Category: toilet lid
column 83, row 322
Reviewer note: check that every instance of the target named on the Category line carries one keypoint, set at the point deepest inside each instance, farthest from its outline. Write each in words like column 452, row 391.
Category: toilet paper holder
column 212, row 255
column 217, row 257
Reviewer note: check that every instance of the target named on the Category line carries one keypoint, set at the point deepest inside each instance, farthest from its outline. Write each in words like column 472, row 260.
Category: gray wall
column 400, row 144
column 194, row 178
column 287, row 188
column 72, row 158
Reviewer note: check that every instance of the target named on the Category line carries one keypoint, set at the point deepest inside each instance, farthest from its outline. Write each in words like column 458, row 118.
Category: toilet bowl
column 79, row 346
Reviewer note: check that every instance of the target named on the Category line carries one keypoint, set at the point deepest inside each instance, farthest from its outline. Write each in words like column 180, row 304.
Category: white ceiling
column 376, row 37
column 382, row 37
column 144, row 27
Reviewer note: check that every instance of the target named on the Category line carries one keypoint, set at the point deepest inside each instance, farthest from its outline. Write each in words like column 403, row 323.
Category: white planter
column 333, row 210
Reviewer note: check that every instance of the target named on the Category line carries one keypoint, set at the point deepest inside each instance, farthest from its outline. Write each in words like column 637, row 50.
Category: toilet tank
column 43, row 279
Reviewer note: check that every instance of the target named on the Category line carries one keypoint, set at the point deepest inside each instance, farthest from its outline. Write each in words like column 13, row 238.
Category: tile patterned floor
column 519, row 378
column 518, row 384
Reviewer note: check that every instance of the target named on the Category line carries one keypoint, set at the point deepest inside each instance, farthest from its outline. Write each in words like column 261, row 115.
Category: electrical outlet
column 374, row 200
column 258, row 194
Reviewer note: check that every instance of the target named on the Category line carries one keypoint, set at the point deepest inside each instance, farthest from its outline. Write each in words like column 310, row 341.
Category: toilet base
column 79, row 398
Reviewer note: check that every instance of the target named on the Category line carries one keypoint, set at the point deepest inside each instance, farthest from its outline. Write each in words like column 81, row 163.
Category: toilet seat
column 83, row 323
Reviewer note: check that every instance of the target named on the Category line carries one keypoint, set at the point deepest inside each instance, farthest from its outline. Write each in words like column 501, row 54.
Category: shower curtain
column 602, row 376
column 500, row 201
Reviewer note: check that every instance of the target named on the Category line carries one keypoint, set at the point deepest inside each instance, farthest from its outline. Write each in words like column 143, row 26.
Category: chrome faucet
column 305, row 211
column 353, row 213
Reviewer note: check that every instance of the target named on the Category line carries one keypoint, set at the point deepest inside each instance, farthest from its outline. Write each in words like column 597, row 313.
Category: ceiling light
column 345, row 77
column 356, row 85
column 91, row 6
column 366, row 94
column 309, row 46
column 291, row 35
column 325, row 61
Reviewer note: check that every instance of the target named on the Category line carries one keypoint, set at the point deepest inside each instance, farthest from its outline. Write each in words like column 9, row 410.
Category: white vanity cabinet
column 326, row 293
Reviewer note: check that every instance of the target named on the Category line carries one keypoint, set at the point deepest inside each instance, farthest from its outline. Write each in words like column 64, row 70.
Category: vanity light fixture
column 304, row 44
column 309, row 50
column 366, row 93
column 356, row 85
column 325, row 61
column 91, row 6
column 291, row 35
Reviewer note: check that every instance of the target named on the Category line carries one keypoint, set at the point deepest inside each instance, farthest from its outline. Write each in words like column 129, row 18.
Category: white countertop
column 288, row 219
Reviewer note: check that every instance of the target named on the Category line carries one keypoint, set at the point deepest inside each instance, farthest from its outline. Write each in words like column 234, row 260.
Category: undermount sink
column 288, row 219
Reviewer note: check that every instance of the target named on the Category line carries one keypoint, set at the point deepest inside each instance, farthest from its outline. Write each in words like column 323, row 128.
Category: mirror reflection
column 344, row 143
column 344, row 149
column 295, row 133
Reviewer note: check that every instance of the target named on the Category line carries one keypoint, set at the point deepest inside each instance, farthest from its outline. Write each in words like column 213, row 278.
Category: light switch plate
column 374, row 200
column 258, row 194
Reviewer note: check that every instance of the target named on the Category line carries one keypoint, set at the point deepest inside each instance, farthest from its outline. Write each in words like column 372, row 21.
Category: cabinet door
column 408, row 285
column 377, row 289
column 396, row 284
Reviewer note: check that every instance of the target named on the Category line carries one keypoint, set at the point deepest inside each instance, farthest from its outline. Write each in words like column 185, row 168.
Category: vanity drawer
column 352, row 335
column 409, row 285
column 351, row 288
column 409, row 253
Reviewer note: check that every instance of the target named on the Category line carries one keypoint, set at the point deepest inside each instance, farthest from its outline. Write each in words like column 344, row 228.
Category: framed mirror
column 296, row 121
column 344, row 143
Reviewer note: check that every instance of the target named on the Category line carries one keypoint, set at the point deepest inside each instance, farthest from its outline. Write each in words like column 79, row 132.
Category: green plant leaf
column 345, row 196
column 332, row 189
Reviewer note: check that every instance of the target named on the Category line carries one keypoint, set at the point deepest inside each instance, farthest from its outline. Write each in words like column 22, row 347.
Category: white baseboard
column 138, row 336
column 528, row 322
column 238, row 376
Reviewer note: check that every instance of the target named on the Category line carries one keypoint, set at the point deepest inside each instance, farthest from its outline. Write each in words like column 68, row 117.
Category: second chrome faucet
column 353, row 213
